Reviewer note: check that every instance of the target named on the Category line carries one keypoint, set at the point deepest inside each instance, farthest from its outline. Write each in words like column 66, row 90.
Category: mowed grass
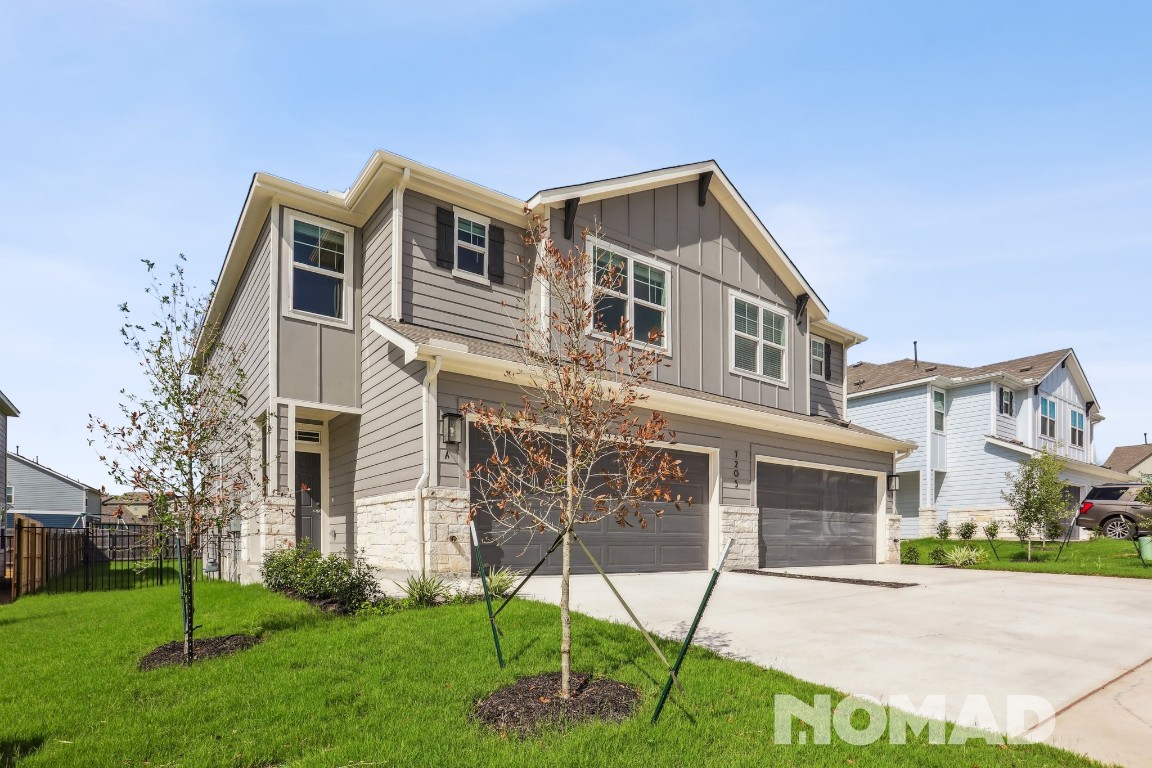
column 1098, row 557
column 385, row 691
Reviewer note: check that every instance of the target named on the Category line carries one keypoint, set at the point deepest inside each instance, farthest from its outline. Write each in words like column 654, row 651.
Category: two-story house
column 973, row 426
column 47, row 496
column 369, row 316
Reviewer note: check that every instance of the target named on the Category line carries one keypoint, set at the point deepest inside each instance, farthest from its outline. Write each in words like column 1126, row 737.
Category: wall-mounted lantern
column 893, row 483
column 451, row 428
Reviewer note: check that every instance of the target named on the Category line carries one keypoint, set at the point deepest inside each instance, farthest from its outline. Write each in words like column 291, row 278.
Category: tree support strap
column 531, row 573
column 691, row 632
column 635, row 620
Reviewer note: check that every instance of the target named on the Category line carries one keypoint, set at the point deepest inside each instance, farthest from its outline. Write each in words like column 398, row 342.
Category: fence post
column 17, row 567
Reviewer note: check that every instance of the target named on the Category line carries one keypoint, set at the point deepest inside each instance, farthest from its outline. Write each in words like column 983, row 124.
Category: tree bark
column 565, row 618
column 189, row 618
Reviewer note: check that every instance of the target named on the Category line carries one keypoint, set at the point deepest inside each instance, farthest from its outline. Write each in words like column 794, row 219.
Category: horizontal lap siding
column 902, row 414
column 828, row 393
column 35, row 489
column 708, row 254
column 976, row 468
column 434, row 298
column 3, row 451
column 389, row 449
column 377, row 281
column 1005, row 422
column 343, row 434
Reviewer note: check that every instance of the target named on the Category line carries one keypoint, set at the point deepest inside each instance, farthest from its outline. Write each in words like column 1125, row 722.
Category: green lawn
column 1099, row 557
column 392, row 690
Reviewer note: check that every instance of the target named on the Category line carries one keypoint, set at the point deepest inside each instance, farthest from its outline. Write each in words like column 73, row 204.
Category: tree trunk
column 189, row 618
column 565, row 619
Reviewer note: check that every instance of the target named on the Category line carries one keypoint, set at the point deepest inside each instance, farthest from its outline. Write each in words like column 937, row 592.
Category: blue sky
column 976, row 176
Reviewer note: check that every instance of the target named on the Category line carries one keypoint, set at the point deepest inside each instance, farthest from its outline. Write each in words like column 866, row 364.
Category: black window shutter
column 827, row 361
column 1000, row 403
column 445, row 237
column 1011, row 403
column 496, row 254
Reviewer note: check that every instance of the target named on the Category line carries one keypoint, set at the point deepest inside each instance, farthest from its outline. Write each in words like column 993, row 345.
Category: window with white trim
column 471, row 252
column 819, row 352
column 938, row 410
column 1047, row 418
column 629, row 288
column 321, row 267
column 1077, row 422
column 1007, row 401
column 759, row 339
column 9, row 495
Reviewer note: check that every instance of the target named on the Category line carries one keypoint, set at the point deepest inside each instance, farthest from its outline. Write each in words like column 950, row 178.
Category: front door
column 308, row 496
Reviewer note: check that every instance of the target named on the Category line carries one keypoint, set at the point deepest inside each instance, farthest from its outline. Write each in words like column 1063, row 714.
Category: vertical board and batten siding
column 828, row 393
column 902, row 414
column 708, row 255
column 317, row 361
column 976, row 468
column 389, row 447
column 1006, row 423
column 1059, row 386
column 434, row 298
column 736, row 446
column 38, row 490
column 343, row 433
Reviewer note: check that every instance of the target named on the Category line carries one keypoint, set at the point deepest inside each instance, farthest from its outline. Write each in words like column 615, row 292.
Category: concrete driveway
column 1077, row 642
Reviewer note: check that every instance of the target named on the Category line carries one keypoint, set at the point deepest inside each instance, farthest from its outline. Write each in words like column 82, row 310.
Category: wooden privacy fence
column 42, row 555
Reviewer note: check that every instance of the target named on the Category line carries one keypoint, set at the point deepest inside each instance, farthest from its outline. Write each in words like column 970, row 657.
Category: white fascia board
column 401, row 342
column 1081, row 466
column 947, row 382
column 934, row 380
column 828, row 329
column 456, row 360
column 637, row 182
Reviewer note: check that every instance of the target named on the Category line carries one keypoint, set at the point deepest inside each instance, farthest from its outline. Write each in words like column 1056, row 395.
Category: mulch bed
column 533, row 704
column 861, row 582
column 172, row 654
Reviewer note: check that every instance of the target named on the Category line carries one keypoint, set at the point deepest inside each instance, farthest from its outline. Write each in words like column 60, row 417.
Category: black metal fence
column 100, row 557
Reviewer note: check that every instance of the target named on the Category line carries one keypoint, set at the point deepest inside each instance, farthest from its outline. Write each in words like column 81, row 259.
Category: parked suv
column 1113, row 509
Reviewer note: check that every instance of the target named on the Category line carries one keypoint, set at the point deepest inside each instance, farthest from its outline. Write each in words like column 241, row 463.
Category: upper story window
column 819, row 353
column 1007, row 401
column 321, row 267
column 9, row 495
column 1077, row 436
column 1047, row 418
column 630, row 288
column 759, row 339
column 938, row 408
column 471, row 246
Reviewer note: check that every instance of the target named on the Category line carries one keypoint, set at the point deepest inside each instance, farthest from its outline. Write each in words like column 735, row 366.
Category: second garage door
column 815, row 516
column 676, row 541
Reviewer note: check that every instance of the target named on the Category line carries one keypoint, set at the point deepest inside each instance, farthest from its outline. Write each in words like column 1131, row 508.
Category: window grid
column 1077, row 436
column 759, row 342
column 471, row 255
column 633, row 290
column 318, row 269
column 938, row 410
column 818, row 352
column 1047, row 418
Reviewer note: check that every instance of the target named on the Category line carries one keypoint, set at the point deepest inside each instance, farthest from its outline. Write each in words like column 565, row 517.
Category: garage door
column 815, row 516
column 676, row 541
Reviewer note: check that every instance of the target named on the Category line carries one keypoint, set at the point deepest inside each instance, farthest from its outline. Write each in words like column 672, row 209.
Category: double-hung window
column 9, row 495
column 819, row 350
column 321, row 267
column 471, row 251
column 938, row 409
column 1077, row 436
column 759, row 339
column 1047, row 418
column 1007, row 401
column 631, row 289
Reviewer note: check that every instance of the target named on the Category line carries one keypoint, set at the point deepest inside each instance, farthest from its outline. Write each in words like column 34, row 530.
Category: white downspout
column 431, row 407
column 398, row 245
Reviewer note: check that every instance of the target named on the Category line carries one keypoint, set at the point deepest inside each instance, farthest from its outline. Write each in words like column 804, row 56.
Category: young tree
column 578, row 448
column 186, row 442
column 1038, row 497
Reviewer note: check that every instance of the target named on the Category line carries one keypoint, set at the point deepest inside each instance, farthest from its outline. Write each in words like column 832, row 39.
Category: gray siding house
column 974, row 425
column 367, row 315
column 46, row 495
column 7, row 411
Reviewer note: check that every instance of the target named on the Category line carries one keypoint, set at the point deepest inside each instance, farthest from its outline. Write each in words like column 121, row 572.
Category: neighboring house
column 1135, row 460
column 973, row 426
column 370, row 315
column 7, row 411
column 48, row 496
column 131, row 508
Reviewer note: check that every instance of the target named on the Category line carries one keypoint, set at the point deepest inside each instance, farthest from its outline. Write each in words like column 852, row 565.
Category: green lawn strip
column 1098, row 557
column 393, row 690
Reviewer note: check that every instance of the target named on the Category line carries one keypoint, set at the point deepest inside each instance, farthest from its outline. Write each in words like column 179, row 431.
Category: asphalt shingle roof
column 1124, row 457
column 863, row 377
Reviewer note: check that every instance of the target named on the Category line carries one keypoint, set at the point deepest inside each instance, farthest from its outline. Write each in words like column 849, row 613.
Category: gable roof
column 6, row 406
column 384, row 171
column 1125, row 457
column 48, row 471
column 1018, row 372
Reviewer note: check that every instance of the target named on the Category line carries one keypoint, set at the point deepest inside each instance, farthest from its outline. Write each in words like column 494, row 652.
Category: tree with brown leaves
column 579, row 448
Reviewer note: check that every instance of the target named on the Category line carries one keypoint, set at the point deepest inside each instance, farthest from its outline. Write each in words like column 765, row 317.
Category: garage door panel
column 677, row 540
column 814, row 516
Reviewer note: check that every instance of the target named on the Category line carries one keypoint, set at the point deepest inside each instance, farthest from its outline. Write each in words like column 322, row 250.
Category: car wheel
column 1117, row 528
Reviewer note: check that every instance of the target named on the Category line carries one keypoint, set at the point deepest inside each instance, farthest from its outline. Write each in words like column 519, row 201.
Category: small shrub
column 426, row 590
column 961, row 556
column 943, row 530
column 910, row 555
column 501, row 581
column 992, row 529
column 966, row 530
column 939, row 556
column 302, row 571
column 1054, row 529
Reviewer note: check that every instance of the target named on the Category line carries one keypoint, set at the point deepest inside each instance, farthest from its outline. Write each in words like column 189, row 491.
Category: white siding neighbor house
column 47, row 496
column 368, row 316
column 974, row 425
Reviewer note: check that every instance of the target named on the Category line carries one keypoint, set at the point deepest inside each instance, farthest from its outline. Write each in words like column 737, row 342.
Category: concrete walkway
column 958, row 633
